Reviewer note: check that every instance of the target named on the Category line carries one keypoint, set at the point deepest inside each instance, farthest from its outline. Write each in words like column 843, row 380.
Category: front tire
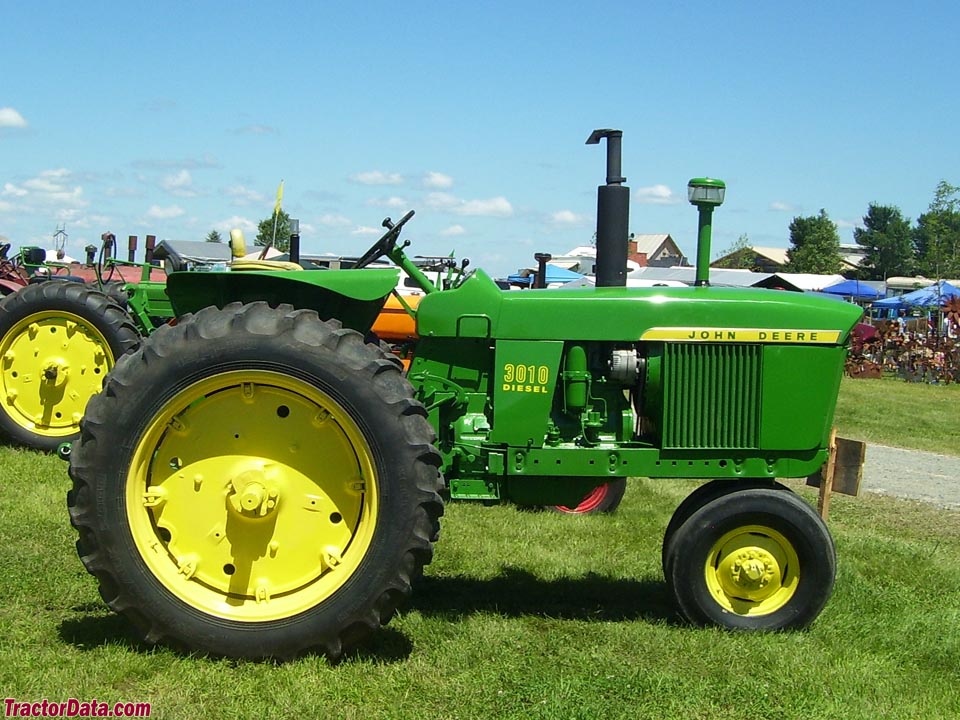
column 58, row 341
column 758, row 559
column 256, row 482
column 697, row 499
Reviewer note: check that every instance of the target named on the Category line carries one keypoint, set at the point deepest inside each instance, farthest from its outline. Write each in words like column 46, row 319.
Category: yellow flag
column 276, row 208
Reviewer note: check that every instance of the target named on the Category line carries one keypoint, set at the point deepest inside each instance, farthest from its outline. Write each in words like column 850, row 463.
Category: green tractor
column 258, row 480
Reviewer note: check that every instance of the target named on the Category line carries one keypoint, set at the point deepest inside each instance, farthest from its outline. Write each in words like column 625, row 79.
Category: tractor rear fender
column 354, row 297
column 8, row 287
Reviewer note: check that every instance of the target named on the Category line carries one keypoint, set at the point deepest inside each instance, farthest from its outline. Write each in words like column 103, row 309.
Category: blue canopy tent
column 854, row 288
column 928, row 297
column 555, row 274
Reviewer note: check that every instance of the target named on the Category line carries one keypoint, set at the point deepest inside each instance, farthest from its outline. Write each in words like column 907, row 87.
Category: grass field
column 521, row 615
column 901, row 414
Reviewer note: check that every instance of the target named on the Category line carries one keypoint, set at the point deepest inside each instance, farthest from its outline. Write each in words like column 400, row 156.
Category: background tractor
column 62, row 328
column 257, row 480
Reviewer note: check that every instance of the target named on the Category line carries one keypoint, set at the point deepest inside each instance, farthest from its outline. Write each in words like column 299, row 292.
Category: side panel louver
column 711, row 396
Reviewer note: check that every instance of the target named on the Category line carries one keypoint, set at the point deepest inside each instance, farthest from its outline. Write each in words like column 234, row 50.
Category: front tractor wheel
column 756, row 559
column 58, row 341
column 256, row 482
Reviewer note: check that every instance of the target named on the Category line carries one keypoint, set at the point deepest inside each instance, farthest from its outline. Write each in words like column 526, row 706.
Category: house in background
column 851, row 256
column 773, row 260
column 758, row 259
column 658, row 250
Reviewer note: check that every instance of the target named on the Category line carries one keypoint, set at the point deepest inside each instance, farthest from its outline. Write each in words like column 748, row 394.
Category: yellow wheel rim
column 252, row 496
column 752, row 570
column 52, row 363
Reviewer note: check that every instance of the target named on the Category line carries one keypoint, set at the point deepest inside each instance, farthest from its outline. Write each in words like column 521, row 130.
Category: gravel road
column 912, row 474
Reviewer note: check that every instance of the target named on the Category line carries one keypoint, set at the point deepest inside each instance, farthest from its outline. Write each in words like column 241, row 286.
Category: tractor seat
column 238, row 248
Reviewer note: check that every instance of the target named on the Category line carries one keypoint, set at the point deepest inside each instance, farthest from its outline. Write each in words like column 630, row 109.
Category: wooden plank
column 848, row 468
column 826, row 481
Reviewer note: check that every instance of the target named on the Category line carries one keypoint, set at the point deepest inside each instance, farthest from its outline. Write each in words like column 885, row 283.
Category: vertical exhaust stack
column 151, row 244
column 542, row 260
column 613, row 215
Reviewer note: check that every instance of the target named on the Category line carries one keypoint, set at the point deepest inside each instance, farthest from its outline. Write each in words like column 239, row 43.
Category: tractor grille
column 711, row 396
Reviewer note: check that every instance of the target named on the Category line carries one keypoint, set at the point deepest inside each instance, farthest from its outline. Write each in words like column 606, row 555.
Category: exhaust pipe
column 613, row 215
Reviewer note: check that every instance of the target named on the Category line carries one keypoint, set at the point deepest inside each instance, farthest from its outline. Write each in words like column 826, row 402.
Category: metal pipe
column 613, row 215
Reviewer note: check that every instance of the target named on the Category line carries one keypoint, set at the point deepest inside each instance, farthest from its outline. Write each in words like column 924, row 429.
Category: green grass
column 521, row 615
column 901, row 414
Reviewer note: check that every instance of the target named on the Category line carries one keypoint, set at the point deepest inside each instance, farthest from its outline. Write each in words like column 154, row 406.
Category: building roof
column 650, row 243
column 802, row 281
column 777, row 255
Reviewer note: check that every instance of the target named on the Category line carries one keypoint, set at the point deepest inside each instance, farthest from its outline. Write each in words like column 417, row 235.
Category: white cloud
column 237, row 221
column 442, row 201
column 11, row 118
column 846, row 224
column 494, row 207
column 377, row 177
column 453, row 231
column 92, row 221
column 245, row 195
column 257, row 130
column 779, row 206
column 179, row 184
column 390, row 202
column 334, row 221
column 437, row 180
column 567, row 217
column 655, row 195
column 5, row 206
column 47, row 190
column 11, row 190
column 122, row 192
column 366, row 230
column 165, row 213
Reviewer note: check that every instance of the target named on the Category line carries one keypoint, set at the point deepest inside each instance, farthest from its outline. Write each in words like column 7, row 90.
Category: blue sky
column 178, row 118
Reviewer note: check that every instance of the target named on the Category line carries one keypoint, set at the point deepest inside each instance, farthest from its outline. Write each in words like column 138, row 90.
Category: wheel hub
column 251, row 496
column 55, row 371
column 752, row 570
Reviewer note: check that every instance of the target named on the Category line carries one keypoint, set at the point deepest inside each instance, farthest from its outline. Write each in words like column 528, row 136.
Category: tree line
column 892, row 245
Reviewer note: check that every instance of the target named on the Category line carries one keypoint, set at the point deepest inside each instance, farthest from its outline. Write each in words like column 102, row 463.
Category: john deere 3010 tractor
column 257, row 480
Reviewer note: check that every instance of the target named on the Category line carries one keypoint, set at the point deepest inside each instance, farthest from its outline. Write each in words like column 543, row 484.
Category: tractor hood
column 689, row 314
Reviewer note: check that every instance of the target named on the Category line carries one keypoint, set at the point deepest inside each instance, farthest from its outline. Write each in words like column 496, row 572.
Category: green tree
column 815, row 245
column 214, row 236
column 936, row 238
column 886, row 237
column 738, row 256
column 265, row 234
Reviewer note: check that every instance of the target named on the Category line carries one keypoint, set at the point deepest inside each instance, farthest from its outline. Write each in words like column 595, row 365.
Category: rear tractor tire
column 58, row 341
column 755, row 559
column 255, row 482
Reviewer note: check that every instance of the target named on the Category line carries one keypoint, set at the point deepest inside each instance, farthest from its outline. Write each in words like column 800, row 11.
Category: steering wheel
column 385, row 244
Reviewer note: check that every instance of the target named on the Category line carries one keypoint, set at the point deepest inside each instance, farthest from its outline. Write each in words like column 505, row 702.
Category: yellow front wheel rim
column 53, row 362
column 252, row 496
column 752, row 570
